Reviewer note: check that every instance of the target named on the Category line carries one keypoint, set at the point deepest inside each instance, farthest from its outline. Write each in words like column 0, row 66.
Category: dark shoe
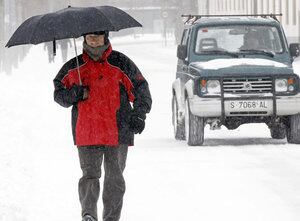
column 88, row 218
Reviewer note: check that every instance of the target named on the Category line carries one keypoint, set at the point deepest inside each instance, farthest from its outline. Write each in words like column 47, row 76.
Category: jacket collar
column 104, row 57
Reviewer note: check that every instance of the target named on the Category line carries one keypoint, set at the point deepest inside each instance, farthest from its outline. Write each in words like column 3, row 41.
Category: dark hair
column 97, row 33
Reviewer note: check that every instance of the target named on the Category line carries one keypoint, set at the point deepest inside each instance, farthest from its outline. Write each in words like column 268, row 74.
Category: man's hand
column 136, row 124
column 79, row 93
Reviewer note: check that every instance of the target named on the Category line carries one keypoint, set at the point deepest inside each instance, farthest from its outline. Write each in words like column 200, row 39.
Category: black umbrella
column 71, row 22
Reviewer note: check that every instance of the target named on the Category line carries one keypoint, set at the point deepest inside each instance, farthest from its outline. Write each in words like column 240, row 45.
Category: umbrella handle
column 54, row 47
column 78, row 71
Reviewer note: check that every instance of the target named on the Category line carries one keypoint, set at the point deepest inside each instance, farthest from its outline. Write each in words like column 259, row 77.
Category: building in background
column 289, row 8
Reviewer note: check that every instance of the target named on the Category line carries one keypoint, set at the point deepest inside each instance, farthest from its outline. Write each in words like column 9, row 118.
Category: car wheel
column 194, row 127
column 278, row 132
column 179, row 131
column 293, row 131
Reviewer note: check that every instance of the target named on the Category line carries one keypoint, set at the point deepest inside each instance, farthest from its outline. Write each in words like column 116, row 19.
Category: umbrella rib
column 75, row 25
column 34, row 31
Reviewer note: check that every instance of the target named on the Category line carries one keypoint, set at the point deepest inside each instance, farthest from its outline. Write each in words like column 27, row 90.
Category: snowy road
column 237, row 175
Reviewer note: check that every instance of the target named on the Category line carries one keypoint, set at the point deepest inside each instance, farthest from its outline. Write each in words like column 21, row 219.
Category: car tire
column 179, row 131
column 194, row 127
column 278, row 132
column 293, row 131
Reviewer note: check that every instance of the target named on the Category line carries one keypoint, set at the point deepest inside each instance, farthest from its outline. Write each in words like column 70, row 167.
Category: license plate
column 249, row 105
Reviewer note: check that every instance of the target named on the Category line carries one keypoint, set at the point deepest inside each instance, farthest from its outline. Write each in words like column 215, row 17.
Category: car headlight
column 210, row 87
column 281, row 85
column 285, row 85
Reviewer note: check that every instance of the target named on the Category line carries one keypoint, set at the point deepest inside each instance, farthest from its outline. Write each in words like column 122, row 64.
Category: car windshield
column 238, row 39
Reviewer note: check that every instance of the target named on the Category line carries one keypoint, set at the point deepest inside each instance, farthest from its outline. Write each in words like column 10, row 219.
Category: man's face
column 94, row 40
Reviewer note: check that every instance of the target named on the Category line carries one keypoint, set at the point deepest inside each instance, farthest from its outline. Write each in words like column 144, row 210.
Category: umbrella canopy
column 71, row 22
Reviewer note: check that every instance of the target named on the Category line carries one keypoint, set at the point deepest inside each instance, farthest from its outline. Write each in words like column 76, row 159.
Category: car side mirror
column 295, row 49
column 182, row 52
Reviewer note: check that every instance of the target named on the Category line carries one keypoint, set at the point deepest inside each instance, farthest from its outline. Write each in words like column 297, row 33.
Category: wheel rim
column 187, row 120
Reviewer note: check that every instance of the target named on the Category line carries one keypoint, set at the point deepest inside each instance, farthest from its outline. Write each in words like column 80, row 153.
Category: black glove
column 78, row 93
column 137, row 123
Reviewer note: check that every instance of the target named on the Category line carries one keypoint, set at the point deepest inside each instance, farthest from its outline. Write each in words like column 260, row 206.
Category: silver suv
column 232, row 71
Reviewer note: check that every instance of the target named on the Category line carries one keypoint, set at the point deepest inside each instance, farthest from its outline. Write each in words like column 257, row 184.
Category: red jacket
column 96, row 122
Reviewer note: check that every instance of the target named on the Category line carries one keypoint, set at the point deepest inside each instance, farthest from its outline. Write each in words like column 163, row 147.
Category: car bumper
column 217, row 107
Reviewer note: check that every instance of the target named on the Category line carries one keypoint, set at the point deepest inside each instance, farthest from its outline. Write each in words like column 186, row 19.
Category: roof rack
column 193, row 18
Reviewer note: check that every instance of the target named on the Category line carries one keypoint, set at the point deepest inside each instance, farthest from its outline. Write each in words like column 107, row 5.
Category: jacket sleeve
column 62, row 95
column 142, row 102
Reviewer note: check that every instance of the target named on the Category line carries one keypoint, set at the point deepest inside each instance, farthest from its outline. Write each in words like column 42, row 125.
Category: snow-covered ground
column 237, row 175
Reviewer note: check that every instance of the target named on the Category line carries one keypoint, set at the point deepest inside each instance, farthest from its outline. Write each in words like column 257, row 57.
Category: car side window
column 185, row 37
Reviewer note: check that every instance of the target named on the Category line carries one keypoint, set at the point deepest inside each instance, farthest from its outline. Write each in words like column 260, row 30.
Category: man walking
column 103, row 120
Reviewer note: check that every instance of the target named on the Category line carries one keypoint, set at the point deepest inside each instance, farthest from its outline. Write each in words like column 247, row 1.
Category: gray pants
column 114, row 184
